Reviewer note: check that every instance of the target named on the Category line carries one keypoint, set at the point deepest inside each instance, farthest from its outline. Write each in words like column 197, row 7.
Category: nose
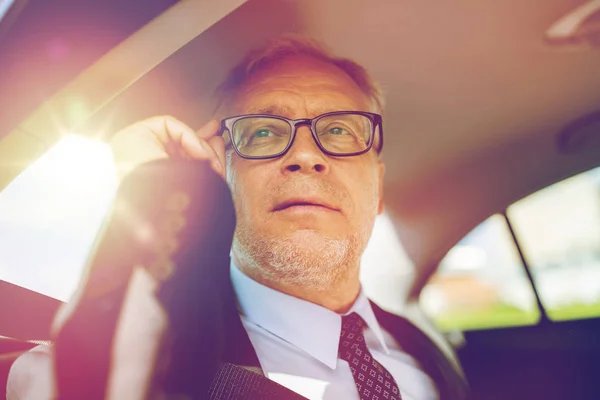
column 304, row 156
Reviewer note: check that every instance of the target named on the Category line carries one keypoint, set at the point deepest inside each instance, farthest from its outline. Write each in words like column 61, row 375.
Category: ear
column 381, row 172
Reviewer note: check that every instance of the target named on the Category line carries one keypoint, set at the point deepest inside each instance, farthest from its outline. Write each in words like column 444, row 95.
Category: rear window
column 483, row 281
column 558, row 229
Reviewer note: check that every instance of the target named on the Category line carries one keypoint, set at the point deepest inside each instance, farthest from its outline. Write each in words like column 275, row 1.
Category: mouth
column 304, row 204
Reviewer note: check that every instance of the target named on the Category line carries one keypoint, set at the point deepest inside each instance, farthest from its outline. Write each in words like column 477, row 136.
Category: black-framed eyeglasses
column 339, row 134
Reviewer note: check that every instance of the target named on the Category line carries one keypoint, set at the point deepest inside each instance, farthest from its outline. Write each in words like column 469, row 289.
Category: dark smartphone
column 176, row 219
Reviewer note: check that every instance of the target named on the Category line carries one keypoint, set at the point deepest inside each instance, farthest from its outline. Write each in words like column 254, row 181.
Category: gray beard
column 290, row 261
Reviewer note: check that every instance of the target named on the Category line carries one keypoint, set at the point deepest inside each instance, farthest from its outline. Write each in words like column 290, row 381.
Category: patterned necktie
column 373, row 382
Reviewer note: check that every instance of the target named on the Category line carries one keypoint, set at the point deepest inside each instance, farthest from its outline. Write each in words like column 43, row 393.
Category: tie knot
column 351, row 334
column 353, row 323
column 372, row 380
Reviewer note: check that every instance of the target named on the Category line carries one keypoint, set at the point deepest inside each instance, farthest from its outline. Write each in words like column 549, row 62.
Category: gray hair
column 287, row 46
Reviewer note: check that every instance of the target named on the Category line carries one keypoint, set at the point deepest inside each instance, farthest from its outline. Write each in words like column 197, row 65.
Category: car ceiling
column 475, row 98
column 43, row 45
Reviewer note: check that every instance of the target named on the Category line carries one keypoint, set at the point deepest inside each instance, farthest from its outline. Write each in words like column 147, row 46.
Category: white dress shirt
column 297, row 344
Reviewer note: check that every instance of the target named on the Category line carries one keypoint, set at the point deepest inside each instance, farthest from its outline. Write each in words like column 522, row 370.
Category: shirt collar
column 308, row 326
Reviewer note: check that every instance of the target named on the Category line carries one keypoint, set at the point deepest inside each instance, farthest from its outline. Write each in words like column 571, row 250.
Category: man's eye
column 262, row 133
column 337, row 131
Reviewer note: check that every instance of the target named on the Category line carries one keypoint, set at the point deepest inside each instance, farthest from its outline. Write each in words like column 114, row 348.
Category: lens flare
column 50, row 215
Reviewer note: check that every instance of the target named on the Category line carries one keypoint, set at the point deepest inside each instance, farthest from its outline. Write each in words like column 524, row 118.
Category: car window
column 51, row 214
column 481, row 283
column 558, row 229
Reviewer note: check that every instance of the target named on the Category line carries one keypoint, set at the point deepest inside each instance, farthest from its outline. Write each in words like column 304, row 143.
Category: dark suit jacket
column 238, row 351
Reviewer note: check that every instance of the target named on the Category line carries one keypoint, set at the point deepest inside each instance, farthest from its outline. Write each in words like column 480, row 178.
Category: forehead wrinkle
column 281, row 102
column 322, row 106
column 277, row 102
column 273, row 109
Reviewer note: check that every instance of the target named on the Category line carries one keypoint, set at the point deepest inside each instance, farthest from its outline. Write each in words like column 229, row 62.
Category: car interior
column 491, row 235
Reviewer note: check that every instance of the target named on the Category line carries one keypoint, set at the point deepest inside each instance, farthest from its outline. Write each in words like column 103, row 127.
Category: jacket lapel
column 239, row 349
column 450, row 383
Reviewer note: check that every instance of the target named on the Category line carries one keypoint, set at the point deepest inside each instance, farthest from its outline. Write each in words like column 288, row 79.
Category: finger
column 178, row 139
column 158, row 130
column 197, row 148
column 175, row 136
column 192, row 147
column 218, row 145
column 209, row 130
column 166, row 128
column 214, row 159
column 208, row 134
column 184, row 139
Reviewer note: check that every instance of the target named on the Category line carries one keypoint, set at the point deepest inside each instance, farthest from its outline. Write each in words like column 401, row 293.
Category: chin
column 305, row 258
column 307, row 237
column 310, row 235
column 308, row 257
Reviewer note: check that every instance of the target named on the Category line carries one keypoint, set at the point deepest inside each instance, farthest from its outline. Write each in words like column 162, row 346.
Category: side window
column 50, row 215
column 558, row 229
column 481, row 283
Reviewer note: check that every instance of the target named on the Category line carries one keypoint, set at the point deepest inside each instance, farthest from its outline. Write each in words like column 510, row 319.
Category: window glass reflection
column 481, row 283
column 558, row 229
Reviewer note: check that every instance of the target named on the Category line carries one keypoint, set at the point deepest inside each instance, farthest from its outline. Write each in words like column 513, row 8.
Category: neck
column 338, row 295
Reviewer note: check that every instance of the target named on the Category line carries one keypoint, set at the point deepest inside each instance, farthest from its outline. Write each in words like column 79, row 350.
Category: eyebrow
column 282, row 110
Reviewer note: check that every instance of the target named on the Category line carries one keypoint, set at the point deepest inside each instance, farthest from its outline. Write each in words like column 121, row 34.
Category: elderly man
column 299, row 146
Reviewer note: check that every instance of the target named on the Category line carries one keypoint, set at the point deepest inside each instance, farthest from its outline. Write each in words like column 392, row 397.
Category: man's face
column 305, row 216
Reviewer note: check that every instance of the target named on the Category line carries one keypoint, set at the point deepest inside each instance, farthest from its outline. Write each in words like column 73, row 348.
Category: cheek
column 246, row 190
column 366, row 185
